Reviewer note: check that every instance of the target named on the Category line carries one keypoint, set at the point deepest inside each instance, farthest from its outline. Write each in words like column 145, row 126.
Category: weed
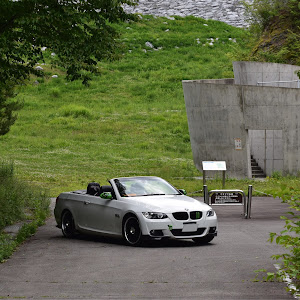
column 6, row 170
column 19, row 202
column 75, row 111
column 277, row 175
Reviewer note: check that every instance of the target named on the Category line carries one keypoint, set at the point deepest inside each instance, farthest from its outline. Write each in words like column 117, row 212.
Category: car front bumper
column 171, row 228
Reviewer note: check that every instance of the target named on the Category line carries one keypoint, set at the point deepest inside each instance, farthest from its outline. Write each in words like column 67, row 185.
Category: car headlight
column 154, row 215
column 210, row 213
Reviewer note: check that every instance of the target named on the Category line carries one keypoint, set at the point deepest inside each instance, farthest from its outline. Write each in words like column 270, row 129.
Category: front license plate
column 189, row 227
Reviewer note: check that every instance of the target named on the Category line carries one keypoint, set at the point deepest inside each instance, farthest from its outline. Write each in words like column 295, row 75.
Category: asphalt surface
column 49, row 266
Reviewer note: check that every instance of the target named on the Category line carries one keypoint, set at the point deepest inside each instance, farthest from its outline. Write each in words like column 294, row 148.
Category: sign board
column 214, row 165
column 238, row 144
column 229, row 198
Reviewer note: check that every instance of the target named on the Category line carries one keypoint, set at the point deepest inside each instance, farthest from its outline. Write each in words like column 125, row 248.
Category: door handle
column 87, row 202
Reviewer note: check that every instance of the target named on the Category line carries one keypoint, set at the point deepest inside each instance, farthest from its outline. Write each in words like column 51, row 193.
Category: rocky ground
column 228, row 11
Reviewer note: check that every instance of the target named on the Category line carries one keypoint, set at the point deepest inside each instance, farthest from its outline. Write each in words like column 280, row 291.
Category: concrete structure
column 253, row 114
column 229, row 11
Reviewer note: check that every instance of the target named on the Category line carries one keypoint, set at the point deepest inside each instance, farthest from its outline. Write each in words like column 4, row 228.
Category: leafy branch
column 289, row 238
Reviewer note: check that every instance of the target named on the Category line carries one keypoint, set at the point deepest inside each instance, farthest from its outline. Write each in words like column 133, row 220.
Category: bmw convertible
column 135, row 209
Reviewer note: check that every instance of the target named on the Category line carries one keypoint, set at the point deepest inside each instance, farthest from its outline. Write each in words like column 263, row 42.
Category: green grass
column 19, row 201
column 132, row 119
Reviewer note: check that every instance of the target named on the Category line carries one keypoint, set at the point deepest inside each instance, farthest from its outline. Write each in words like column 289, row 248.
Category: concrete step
column 256, row 168
column 259, row 176
column 257, row 171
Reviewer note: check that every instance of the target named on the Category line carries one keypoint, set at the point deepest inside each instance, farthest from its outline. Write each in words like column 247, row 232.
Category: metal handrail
column 280, row 81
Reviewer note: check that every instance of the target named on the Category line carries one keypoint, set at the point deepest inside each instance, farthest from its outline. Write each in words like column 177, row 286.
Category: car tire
column 132, row 233
column 203, row 240
column 68, row 225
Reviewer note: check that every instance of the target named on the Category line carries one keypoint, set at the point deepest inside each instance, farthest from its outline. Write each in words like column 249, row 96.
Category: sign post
column 228, row 197
column 206, row 195
column 214, row 166
column 249, row 201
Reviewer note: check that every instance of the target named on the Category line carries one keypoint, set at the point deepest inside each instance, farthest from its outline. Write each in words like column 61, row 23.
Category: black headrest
column 93, row 188
column 105, row 188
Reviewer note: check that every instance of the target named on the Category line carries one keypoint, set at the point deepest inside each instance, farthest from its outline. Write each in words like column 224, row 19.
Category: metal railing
column 289, row 81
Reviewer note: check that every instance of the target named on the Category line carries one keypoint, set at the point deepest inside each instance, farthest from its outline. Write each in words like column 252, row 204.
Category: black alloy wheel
column 132, row 232
column 67, row 225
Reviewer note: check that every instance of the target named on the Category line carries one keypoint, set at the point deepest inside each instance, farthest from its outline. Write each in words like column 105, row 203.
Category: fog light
column 156, row 233
column 212, row 229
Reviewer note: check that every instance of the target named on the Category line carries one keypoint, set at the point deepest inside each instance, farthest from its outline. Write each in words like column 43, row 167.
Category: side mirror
column 182, row 191
column 106, row 195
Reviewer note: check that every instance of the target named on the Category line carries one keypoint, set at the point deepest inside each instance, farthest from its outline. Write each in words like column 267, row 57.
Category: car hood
column 168, row 203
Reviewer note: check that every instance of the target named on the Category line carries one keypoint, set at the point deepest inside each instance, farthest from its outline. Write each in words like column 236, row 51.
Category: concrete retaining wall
column 265, row 74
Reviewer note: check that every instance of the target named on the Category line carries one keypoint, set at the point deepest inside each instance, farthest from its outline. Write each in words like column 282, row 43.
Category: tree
column 80, row 33
column 7, row 107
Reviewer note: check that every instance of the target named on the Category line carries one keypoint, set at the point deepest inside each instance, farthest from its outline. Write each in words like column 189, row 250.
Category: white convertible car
column 135, row 208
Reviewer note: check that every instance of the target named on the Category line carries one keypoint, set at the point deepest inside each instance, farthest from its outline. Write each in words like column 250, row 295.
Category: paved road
column 49, row 266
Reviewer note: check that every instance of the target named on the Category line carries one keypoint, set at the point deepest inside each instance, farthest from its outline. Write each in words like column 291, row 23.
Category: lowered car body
column 135, row 208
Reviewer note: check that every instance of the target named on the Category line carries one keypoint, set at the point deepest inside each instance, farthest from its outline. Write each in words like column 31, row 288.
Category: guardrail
column 230, row 197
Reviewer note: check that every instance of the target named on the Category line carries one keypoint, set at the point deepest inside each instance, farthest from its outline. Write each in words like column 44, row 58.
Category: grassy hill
column 132, row 119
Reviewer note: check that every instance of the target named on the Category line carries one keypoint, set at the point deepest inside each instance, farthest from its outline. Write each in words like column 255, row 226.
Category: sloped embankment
column 279, row 40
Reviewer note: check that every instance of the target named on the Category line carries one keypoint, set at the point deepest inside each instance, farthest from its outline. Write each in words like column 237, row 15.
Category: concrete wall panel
column 278, row 149
column 263, row 117
column 213, row 111
column 278, row 165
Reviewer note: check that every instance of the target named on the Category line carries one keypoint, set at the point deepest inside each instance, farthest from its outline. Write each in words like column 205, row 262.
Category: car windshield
column 144, row 186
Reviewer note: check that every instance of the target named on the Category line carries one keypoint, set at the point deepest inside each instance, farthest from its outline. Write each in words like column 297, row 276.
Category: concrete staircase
column 257, row 171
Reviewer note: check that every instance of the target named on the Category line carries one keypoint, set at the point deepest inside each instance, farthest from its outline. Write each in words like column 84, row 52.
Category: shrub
column 18, row 202
column 289, row 238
